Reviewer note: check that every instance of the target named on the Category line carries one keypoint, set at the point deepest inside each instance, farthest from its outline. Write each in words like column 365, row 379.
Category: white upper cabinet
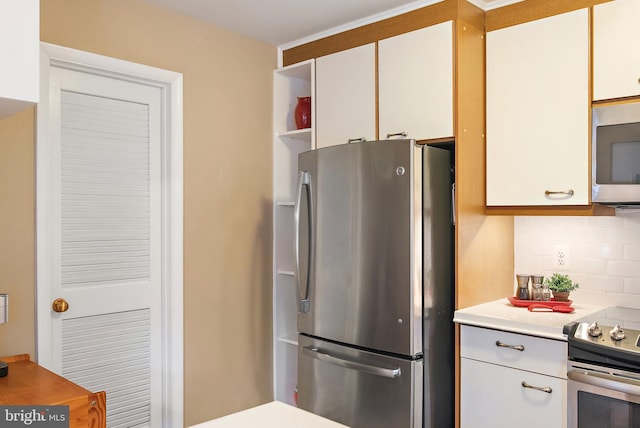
column 538, row 112
column 616, row 56
column 346, row 96
column 20, row 55
column 415, row 83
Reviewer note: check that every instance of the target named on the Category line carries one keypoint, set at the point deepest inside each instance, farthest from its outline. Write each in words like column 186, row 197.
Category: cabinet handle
column 356, row 140
column 504, row 345
column 569, row 192
column 546, row 389
column 397, row 134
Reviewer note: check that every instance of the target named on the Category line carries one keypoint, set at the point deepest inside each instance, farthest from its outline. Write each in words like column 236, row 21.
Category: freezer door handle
column 303, row 297
column 314, row 352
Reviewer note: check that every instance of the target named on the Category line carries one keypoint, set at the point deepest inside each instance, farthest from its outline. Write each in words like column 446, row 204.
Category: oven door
column 600, row 397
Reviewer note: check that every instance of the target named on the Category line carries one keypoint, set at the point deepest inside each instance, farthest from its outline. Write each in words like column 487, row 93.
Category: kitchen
column 223, row 230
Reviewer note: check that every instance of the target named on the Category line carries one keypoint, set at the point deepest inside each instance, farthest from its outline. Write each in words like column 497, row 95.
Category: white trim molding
column 482, row 4
column 358, row 23
column 492, row 4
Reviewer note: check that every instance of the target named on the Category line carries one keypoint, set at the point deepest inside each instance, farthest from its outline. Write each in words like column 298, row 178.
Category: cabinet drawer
column 494, row 396
column 545, row 356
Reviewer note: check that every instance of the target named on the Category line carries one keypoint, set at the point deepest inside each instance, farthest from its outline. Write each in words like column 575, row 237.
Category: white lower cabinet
column 494, row 396
column 509, row 380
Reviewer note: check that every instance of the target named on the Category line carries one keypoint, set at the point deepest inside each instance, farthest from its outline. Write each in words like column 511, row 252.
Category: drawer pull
column 546, row 389
column 504, row 345
column 397, row 134
column 569, row 192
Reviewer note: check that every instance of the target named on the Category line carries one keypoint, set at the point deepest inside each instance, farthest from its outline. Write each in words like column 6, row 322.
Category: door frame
column 170, row 83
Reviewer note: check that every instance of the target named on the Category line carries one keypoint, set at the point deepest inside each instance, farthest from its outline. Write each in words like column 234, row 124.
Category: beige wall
column 17, row 253
column 227, row 192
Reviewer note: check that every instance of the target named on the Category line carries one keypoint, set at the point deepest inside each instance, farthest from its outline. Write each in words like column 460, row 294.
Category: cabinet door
column 415, row 83
column 538, row 112
column 494, row 396
column 616, row 61
column 346, row 96
column 20, row 53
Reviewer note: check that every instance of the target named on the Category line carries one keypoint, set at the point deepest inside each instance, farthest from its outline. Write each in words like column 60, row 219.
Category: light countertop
column 271, row 415
column 501, row 315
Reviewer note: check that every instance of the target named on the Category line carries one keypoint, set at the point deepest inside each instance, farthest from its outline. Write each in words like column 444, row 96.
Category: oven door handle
column 621, row 384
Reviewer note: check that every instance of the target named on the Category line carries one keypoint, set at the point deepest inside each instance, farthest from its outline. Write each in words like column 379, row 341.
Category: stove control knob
column 594, row 330
column 617, row 333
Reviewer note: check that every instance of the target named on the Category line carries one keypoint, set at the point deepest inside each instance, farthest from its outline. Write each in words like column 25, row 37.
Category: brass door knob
column 60, row 305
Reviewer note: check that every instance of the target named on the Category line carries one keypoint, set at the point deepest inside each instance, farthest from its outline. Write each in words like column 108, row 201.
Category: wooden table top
column 29, row 383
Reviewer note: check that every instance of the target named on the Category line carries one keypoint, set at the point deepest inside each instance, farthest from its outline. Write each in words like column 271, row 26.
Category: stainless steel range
column 604, row 370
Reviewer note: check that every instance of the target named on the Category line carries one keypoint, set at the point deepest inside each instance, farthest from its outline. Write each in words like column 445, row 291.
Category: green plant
column 561, row 282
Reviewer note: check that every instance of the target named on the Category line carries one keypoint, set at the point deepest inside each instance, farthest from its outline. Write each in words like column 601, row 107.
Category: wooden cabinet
column 346, row 96
column 30, row 384
column 616, row 57
column 20, row 53
column 538, row 112
column 297, row 80
column 509, row 380
column 415, row 83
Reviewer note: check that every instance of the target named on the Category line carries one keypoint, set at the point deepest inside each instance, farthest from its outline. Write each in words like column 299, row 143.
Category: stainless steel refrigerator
column 374, row 277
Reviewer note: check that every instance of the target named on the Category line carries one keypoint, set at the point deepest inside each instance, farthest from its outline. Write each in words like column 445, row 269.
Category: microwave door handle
column 341, row 362
column 619, row 384
column 303, row 181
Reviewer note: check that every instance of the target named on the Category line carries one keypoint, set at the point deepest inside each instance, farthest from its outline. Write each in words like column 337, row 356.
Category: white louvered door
column 106, row 240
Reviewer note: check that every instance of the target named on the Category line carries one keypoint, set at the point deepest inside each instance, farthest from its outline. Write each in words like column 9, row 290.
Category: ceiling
column 290, row 22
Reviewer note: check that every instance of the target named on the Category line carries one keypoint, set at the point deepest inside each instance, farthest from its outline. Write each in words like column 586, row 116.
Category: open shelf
column 289, row 340
column 291, row 82
column 286, row 272
column 297, row 134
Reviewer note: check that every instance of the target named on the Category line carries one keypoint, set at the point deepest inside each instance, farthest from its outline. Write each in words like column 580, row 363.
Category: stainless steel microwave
column 616, row 155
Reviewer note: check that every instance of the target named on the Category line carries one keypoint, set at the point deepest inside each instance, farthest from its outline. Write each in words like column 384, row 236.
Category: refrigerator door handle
column 366, row 368
column 303, row 298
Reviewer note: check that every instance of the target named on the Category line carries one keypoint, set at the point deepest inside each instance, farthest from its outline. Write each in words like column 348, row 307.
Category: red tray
column 525, row 303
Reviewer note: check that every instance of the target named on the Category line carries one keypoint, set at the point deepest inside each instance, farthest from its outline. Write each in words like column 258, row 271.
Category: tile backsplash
column 602, row 254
